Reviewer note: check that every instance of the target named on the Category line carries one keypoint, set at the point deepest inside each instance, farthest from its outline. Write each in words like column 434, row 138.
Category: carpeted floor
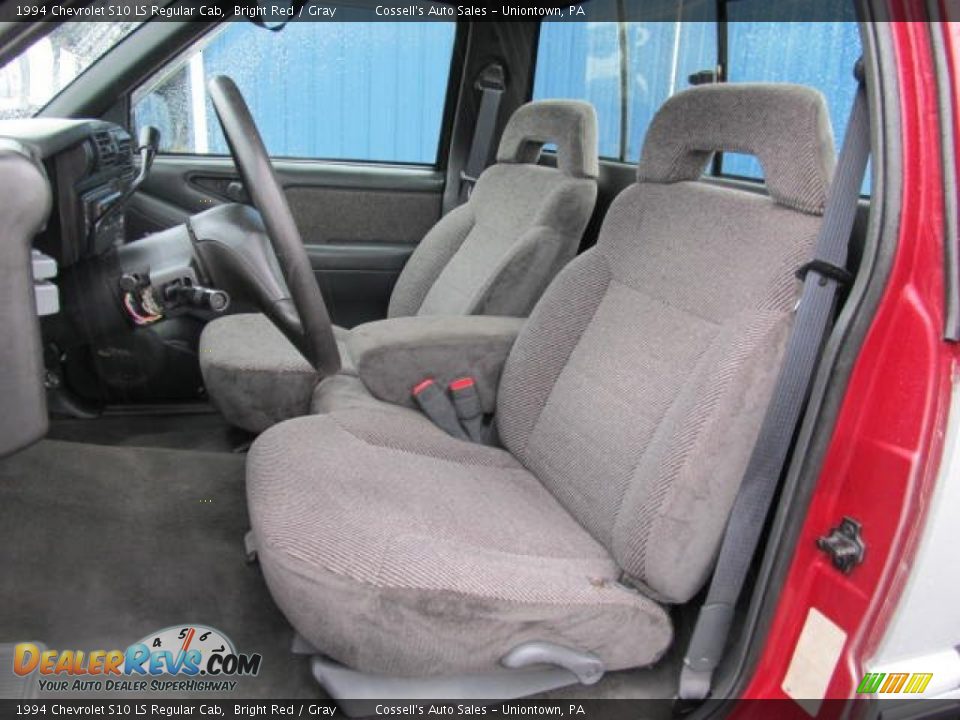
column 177, row 430
column 100, row 546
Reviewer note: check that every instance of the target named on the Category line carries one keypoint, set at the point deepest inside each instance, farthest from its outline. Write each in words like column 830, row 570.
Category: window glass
column 369, row 91
column 818, row 54
column 33, row 78
column 581, row 61
column 626, row 70
column 661, row 58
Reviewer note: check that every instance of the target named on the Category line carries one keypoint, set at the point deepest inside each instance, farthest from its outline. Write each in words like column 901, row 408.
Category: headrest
column 785, row 126
column 570, row 124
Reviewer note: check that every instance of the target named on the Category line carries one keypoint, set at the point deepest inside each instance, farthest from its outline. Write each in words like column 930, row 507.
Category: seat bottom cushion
column 396, row 549
column 254, row 376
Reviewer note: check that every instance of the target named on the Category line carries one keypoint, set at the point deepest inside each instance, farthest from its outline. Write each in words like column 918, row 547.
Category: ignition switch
column 197, row 296
column 139, row 301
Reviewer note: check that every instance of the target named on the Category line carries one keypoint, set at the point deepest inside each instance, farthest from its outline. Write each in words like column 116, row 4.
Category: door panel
column 359, row 222
column 363, row 216
column 356, row 278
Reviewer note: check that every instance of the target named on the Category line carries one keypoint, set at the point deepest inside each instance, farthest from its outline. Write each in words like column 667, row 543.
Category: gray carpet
column 100, row 546
column 176, row 430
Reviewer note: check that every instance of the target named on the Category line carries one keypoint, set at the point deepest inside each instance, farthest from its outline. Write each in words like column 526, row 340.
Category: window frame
column 178, row 60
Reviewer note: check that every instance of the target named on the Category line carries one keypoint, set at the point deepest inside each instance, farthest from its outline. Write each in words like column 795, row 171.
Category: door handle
column 237, row 192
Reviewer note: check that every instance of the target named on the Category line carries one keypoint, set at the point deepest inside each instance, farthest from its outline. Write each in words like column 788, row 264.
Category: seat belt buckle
column 466, row 401
column 422, row 387
column 438, row 407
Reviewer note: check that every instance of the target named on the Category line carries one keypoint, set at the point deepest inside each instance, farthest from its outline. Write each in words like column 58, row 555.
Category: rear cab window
column 821, row 55
column 628, row 69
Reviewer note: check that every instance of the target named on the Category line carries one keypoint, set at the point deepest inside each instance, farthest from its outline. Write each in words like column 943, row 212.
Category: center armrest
column 393, row 355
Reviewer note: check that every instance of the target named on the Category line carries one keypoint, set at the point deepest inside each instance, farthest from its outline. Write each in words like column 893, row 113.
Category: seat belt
column 821, row 279
column 435, row 404
column 457, row 412
column 491, row 85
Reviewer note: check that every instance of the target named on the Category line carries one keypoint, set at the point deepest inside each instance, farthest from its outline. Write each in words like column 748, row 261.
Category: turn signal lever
column 198, row 296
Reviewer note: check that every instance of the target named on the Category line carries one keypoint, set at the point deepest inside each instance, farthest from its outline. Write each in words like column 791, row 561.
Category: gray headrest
column 785, row 126
column 570, row 124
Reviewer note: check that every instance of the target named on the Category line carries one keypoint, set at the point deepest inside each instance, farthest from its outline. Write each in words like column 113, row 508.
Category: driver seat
column 493, row 255
column 628, row 409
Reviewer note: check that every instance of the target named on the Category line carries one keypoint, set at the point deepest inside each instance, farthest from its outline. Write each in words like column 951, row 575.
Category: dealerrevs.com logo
column 181, row 658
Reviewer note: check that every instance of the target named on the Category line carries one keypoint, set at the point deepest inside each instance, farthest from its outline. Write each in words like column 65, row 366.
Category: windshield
column 33, row 78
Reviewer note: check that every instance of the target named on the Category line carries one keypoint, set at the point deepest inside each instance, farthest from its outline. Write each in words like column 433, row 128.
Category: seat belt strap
column 822, row 277
column 491, row 85
column 466, row 400
column 435, row 404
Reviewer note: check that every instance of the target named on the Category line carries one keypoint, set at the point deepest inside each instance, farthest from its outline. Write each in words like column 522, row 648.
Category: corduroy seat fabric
column 494, row 255
column 627, row 409
column 423, row 543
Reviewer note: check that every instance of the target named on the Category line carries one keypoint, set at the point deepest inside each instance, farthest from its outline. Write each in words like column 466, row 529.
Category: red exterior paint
column 888, row 441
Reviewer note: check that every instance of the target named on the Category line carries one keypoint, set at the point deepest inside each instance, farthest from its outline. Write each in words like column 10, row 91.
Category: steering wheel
column 303, row 317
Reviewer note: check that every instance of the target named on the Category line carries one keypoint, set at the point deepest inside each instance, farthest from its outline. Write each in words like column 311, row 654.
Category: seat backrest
column 636, row 390
column 496, row 254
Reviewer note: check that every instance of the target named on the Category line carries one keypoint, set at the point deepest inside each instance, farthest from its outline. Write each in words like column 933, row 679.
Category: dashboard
column 89, row 165
column 121, row 319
